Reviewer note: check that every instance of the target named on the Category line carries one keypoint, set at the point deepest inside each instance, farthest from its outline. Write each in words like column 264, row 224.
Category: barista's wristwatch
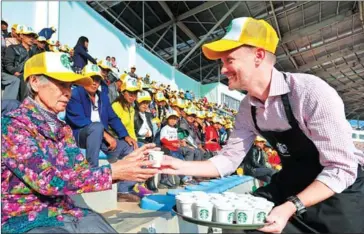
column 298, row 204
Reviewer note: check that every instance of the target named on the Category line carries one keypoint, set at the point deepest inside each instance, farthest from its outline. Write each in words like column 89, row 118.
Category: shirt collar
column 278, row 87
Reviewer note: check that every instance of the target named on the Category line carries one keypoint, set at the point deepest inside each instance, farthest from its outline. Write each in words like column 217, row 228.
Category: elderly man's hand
column 138, row 171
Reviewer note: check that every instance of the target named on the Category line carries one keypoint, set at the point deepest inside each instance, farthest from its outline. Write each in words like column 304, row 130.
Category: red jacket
column 212, row 139
column 169, row 144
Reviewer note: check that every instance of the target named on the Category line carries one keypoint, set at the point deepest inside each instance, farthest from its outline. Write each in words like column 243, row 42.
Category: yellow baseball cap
column 27, row 30
column 54, row 65
column 179, row 103
column 156, row 120
column 15, row 27
column 229, row 126
column 92, row 70
column 172, row 113
column 64, row 48
column 41, row 39
column 159, row 96
column 105, row 64
column 144, row 96
column 52, row 42
column 210, row 114
column 129, row 84
column 201, row 114
column 243, row 31
column 260, row 139
column 191, row 111
column 216, row 119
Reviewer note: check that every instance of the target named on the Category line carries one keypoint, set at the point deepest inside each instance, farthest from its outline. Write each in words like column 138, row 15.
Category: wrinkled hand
column 138, row 171
column 141, row 154
column 278, row 218
column 111, row 141
column 131, row 141
column 171, row 165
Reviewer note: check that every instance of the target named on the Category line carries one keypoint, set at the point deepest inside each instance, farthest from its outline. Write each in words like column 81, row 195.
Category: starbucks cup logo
column 231, row 217
column 204, row 214
column 151, row 158
column 242, row 217
column 261, row 216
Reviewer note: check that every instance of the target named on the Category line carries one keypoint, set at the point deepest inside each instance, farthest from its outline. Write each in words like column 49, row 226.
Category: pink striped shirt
column 320, row 113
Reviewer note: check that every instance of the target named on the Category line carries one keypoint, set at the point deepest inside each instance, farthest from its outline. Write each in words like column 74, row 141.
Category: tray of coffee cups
column 227, row 210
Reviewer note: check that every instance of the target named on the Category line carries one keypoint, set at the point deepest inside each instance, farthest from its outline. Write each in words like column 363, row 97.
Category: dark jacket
column 255, row 158
column 36, row 50
column 15, row 58
column 81, row 57
column 138, row 122
column 78, row 112
column 191, row 130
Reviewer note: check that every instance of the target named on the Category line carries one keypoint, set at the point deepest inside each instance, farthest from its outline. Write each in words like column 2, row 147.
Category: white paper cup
column 157, row 157
column 186, row 206
column 244, row 214
column 259, row 215
column 203, row 211
column 224, row 213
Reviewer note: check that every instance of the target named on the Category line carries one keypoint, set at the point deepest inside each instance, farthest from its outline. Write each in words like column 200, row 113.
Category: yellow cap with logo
column 92, row 70
column 143, row 96
column 130, row 84
column 55, row 65
column 179, row 103
column 41, row 39
column 260, row 139
column 26, row 30
column 201, row 114
column 191, row 111
column 172, row 113
column 105, row 64
column 159, row 96
column 243, row 31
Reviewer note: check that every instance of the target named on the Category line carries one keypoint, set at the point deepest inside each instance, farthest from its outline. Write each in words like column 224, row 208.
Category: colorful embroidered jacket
column 39, row 169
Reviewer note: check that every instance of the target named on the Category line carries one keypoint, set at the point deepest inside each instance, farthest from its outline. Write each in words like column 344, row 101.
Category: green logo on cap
column 228, row 28
column 65, row 60
column 94, row 68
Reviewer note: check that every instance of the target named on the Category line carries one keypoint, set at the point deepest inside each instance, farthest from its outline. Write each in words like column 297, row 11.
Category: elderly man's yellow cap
column 105, row 64
column 54, row 65
column 130, row 84
column 159, row 96
column 243, row 31
column 26, row 30
column 260, row 139
column 91, row 70
column 144, row 96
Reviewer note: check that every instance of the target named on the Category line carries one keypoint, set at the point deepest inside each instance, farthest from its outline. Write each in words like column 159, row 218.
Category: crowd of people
column 107, row 110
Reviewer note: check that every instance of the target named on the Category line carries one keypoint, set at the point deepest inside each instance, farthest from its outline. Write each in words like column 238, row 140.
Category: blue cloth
column 78, row 112
column 46, row 32
column 81, row 57
column 188, row 96
column 91, row 139
column 8, row 105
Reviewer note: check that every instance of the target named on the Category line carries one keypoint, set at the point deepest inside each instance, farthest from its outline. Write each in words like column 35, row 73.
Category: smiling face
column 143, row 106
column 130, row 97
column 92, row 88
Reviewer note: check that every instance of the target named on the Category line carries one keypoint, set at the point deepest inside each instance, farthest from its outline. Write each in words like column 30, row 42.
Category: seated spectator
column 106, row 71
column 228, row 127
column 13, row 65
column 52, row 46
column 201, row 127
column 181, row 94
column 90, row 115
column 114, row 64
column 255, row 162
column 132, row 72
column 222, row 131
column 41, row 163
column 108, row 59
column 161, row 106
column 124, row 108
column 47, row 32
column 15, row 37
column 146, row 79
column 40, row 45
column 188, row 95
column 273, row 158
column 81, row 55
column 143, row 119
column 114, row 88
column 212, row 142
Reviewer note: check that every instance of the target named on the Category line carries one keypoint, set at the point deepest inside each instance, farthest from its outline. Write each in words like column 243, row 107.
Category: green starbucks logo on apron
column 231, row 217
column 204, row 214
column 65, row 61
column 242, row 217
column 261, row 216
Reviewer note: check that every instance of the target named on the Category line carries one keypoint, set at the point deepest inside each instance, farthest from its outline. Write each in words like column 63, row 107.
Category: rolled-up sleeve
column 238, row 145
column 331, row 133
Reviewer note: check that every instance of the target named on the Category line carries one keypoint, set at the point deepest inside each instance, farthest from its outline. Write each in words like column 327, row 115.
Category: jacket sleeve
column 83, row 53
column 75, row 116
column 8, row 60
column 30, row 164
column 114, row 121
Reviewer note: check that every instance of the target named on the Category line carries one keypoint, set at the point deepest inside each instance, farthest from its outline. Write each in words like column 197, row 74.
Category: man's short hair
column 107, row 57
column 4, row 23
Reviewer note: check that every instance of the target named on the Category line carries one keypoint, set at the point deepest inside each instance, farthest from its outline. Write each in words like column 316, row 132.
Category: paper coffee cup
column 186, row 206
column 203, row 211
column 259, row 215
column 244, row 214
column 157, row 157
column 224, row 213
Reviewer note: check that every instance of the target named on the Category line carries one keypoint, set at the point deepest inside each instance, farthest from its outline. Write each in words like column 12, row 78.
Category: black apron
column 343, row 212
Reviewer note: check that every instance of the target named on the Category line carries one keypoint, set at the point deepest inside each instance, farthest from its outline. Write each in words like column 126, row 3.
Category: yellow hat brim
column 144, row 99
column 215, row 50
column 65, row 77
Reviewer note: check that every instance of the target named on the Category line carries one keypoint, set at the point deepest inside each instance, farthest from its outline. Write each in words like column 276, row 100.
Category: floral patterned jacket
column 39, row 169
